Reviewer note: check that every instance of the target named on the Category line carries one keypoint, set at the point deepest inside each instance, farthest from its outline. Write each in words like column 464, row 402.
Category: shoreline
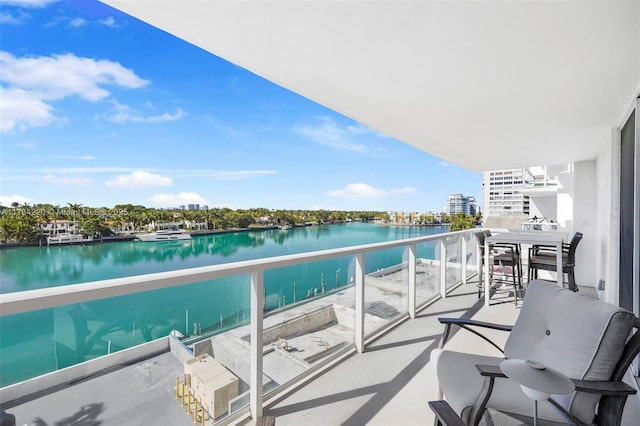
column 122, row 238
column 422, row 225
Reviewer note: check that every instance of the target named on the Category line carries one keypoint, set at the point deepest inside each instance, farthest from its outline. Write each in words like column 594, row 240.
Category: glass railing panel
column 221, row 329
column 27, row 347
column 43, row 341
column 386, row 287
column 454, row 260
column 309, row 316
column 472, row 254
column 427, row 271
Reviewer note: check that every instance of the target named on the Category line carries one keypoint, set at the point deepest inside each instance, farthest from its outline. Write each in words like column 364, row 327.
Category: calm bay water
column 38, row 342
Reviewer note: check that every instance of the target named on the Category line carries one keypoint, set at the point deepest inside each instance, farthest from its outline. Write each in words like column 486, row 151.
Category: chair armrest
column 603, row 387
column 503, row 246
column 490, row 370
column 466, row 324
column 466, row 321
column 533, row 250
column 445, row 414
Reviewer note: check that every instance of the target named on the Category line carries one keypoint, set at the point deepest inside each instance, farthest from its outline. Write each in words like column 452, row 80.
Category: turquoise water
column 34, row 343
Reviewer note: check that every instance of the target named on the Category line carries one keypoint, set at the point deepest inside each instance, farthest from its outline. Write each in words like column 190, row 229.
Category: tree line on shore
column 24, row 223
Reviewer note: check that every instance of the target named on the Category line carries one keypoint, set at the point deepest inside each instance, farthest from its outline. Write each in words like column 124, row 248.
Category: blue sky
column 98, row 108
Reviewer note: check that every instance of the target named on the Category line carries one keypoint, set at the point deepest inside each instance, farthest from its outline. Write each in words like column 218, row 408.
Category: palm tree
column 6, row 228
column 462, row 221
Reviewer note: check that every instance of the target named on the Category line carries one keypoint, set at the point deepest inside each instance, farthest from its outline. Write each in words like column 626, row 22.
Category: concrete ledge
column 50, row 381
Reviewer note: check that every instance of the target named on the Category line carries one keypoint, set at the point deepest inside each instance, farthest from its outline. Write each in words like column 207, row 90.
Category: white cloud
column 58, row 76
column 78, row 181
column 109, row 21
column 125, row 113
column 71, row 170
column 225, row 174
column 357, row 190
column 328, row 133
column 31, row 4
column 363, row 190
column 21, row 108
column 139, row 179
column 172, row 200
column 78, row 22
column 444, row 164
column 7, row 201
column 19, row 18
column 31, row 84
column 28, row 174
column 27, row 144
column 75, row 157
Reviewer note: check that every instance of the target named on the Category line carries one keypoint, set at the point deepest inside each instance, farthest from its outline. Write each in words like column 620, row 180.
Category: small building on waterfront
column 60, row 226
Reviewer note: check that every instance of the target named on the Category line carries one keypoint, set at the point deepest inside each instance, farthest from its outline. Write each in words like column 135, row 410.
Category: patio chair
column 585, row 339
column 544, row 257
column 504, row 256
column 480, row 236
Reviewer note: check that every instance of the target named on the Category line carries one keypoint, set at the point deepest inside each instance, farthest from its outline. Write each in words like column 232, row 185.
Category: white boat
column 66, row 238
column 165, row 235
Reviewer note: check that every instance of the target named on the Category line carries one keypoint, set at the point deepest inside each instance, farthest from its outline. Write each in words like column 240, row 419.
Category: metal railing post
column 487, row 267
column 359, row 331
column 479, row 261
column 443, row 267
column 412, row 281
column 463, row 263
column 257, row 302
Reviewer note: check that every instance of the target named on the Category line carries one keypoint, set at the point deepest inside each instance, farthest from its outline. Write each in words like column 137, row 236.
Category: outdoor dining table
column 523, row 237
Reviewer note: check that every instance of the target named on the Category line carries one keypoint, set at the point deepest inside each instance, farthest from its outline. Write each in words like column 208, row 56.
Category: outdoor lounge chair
column 585, row 339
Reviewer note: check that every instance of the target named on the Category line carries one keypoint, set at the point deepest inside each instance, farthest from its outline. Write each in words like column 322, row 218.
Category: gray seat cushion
column 575, row 334
column 461, row 383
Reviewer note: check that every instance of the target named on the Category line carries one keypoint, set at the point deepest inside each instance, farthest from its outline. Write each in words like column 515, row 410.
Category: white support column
column 359, row 332
column 463, row 265
column 443, row 267
column 257, row 303
column 412, row 281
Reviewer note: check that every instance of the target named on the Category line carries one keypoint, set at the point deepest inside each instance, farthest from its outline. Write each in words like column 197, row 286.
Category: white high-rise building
column 458, row 203
column 502, row 193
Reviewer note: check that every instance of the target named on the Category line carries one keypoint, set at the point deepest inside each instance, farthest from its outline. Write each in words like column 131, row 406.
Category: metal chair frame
column 544, row 258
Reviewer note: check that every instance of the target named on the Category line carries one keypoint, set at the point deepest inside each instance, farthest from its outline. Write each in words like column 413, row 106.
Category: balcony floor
column 389, row 384
column 392, row 381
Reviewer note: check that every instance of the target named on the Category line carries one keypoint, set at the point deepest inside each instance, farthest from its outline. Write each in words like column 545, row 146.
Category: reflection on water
column 38, row 342
column 37, row 267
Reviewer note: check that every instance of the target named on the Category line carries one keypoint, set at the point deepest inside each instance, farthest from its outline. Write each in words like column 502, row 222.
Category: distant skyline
column 98, row 108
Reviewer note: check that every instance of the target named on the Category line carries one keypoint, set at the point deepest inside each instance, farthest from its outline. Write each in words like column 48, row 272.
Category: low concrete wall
column 301, row 325
column 387, row 271
column 82, row 370
column 180, row 351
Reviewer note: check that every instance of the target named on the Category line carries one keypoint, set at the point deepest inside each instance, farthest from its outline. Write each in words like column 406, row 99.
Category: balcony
column 537, row 183
column 360, row 354
column 352, row 330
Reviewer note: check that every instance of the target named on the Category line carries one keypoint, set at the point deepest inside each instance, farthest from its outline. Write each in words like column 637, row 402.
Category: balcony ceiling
column 484, row 85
